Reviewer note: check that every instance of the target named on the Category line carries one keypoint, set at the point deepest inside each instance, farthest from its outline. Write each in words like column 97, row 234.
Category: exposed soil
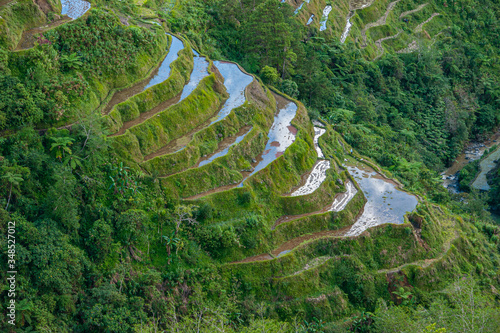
column 5, row 2
column 260, row 257
column 421, row 25
column 409, row 12
column 381, row 21
column 44, row 6
column 146, row 115
column 29, row 37
column 124, row 94
column 303, row 179
column 413, row 46
column 360, row 4
column 228, row 141
column 424, row 263
column 327, row 208
column 293, row 243
column 381, row 49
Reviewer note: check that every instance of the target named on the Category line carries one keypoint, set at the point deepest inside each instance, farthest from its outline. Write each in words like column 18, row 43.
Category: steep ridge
column 381, row 21
column 70, row 10
column 158, row 75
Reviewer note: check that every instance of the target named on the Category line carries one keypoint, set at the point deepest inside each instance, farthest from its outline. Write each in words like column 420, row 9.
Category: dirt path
column 381, row 21
column 403, row 14
column 381, row 49
column 5, row 2
column 340, row 201
column 29, row 37
column 424, row 263
column 293, row 243
column 303, row 179
column 146, row 115
column 124, row 94
column 420, row 27
column 413, row 46
column 178, row 143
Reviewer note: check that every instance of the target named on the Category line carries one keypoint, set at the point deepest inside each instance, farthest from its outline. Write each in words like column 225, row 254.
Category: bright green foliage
column 269, row 75
column 106, row 243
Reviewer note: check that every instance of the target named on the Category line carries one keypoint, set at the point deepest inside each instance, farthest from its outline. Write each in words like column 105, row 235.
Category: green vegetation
column 110, row 241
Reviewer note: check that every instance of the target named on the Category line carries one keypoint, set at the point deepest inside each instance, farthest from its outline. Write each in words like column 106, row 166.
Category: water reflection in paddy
column 235, row 82
column 281, row 136
column 225, row 151
column 315, row 179
column 385, row 203
column 74, row 8
column 324, row 19
column 164, row 70
column 200, row 70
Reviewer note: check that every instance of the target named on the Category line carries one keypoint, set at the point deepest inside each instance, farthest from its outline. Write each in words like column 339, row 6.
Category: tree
column 61, row 146
column 13, row 179
column 267, row 33
column 71, row 61
column 269, row 75
column 182, row 214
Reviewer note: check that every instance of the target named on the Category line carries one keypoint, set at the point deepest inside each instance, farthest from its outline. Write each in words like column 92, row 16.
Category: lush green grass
column 153, row 96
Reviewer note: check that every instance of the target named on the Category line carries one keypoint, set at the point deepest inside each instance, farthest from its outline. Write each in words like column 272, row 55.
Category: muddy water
column 235, row 82
column 324, row 18
column 347, row 27
column 200, row 70
column 385, row 203
column 225, row 151
column 343, row 199
column 310, row 19
column 281, row 136
column 485, row 166
column 164, row 69
column 74, row 8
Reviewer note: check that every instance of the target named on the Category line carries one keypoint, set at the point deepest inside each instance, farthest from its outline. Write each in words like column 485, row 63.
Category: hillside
column 269, row 166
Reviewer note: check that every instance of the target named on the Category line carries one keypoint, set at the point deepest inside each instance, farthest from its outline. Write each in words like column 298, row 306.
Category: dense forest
column 109, row 239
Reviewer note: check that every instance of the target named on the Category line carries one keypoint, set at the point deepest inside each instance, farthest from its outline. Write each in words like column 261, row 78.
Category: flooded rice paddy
column 200, row 71
column 74, row 8
column 164, row 69
column 385, row 203
column 235, row 82
column 324, row 18
column 225, row 151
column 281, row 136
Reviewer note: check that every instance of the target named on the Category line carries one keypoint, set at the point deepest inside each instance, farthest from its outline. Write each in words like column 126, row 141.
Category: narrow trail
column 315, row 262
column 148, row 114
column 340, row 201
column 280, row 136
column 31, row 36
column 5, row 2
column 409, row 12
column 124, row 94
column 292, row 244
column 303, row 180
column 381, row 49
column 381, row 21
column 180, row 142
column 413, row 46
column 420, row 27
column 424, row 263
